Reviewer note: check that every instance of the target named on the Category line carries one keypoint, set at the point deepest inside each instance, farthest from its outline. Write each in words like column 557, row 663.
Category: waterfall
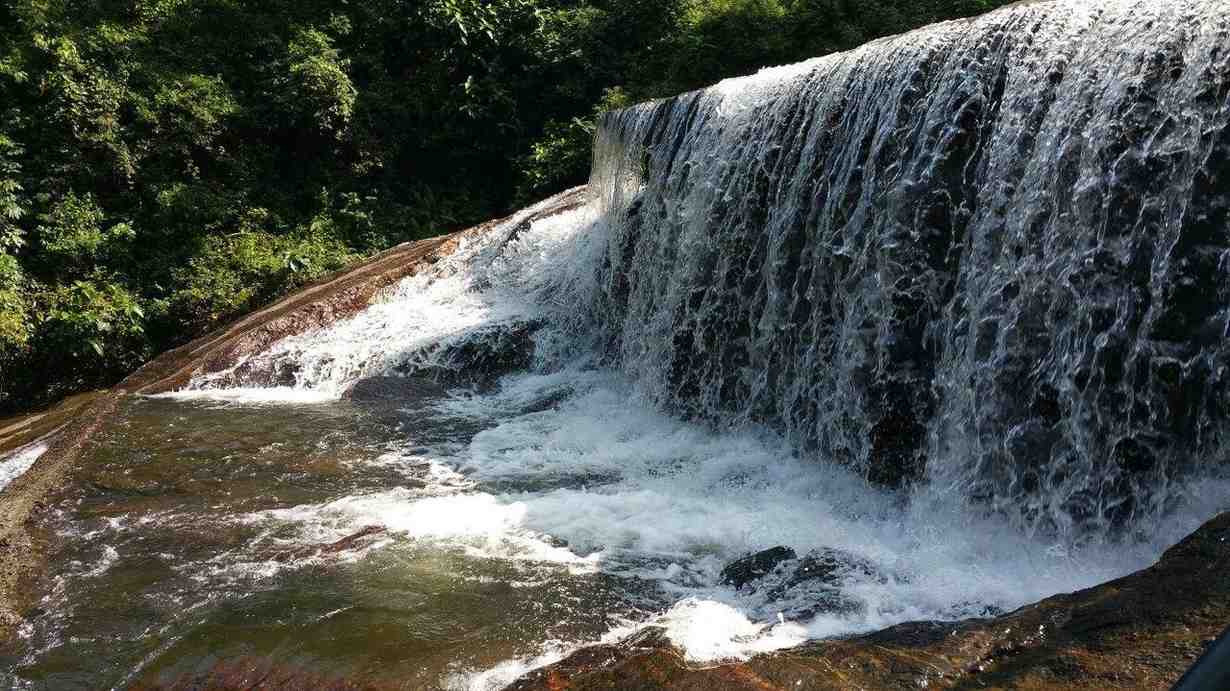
column 947, row 313
column 989, row 255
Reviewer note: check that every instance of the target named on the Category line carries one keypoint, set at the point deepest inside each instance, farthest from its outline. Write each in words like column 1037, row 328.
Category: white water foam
column 486, row 526
column 601, row 480
column 18, row 462
column 509, row 671
column 635, row 493
column 503, row 277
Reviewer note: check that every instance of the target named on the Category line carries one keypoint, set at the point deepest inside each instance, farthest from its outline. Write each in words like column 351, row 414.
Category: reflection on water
column 166, row 559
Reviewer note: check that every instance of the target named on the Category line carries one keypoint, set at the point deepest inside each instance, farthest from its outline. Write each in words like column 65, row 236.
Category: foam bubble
column 18, row 462
column 711, row 631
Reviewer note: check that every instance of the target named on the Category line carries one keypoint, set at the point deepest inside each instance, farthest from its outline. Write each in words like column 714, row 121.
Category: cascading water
column 947, row 311
column 994, row 250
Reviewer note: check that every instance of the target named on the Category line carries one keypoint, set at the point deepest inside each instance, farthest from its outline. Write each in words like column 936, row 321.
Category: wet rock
column 829, row 565
column 382, row 389
column 352, row 541
column 647, row 643
column 815, row 600
column 478, row 359
column 261, row 373
column 126, row 487
column 802, row 589
column 742, row 571
column 976, row 609
column 1138, row 632
column 548, row 401
column 896, row 459
column 349, row 543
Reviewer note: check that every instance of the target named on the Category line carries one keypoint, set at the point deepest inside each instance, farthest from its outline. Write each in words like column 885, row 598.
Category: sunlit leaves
column 317, row 82
column 15, row 323
column 234, row 273
column 93, row 322
column 76, row 235
column 12, row 197
column 194, row 109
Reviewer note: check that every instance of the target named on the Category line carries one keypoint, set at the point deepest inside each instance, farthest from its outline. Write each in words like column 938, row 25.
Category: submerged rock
column 1138, row 632
column 800, row 589
column 354, row 541
column 378, row 389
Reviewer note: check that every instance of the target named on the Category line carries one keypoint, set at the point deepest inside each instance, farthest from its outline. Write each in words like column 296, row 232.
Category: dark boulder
column 743, row 571
column 477, row 359
column 828, row 565
column 811, row 586
column 378, row 389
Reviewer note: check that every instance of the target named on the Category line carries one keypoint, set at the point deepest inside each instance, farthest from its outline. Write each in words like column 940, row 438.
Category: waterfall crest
column 991, row 253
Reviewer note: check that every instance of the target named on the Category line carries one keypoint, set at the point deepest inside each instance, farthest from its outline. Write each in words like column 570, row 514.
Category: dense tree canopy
column 166, row 165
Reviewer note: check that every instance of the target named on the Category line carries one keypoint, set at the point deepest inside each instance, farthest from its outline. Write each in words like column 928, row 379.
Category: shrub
column 86, row 333
column 74, row 235
column 561, row 158
column 316, row 84
column 234, row 273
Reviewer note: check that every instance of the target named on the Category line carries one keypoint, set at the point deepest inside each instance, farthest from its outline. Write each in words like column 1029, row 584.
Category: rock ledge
column 1137, row 632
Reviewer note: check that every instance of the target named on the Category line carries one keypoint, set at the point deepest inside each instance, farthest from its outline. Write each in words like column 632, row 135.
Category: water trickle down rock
column 991, row 253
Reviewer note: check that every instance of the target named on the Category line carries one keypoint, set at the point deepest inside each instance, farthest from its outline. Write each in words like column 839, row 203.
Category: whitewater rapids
column 602, row 480
column 953, row 303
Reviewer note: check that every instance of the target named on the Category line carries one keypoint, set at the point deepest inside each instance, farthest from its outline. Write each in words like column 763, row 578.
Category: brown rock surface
column 317, row 305
column 1137, row 632
column 255, row 673
column 70, row 425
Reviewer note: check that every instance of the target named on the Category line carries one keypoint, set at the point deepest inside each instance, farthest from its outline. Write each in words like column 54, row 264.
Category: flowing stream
column 948, row 311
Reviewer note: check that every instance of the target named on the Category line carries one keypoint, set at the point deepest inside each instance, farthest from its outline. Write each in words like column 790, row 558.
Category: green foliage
column 15, row 322
column 86, row 329
column 74, row 236
column 191, row 111
column 719, row 38
column 232, row 274
column 316, row 84
column 561, row 158
column 166, row 165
